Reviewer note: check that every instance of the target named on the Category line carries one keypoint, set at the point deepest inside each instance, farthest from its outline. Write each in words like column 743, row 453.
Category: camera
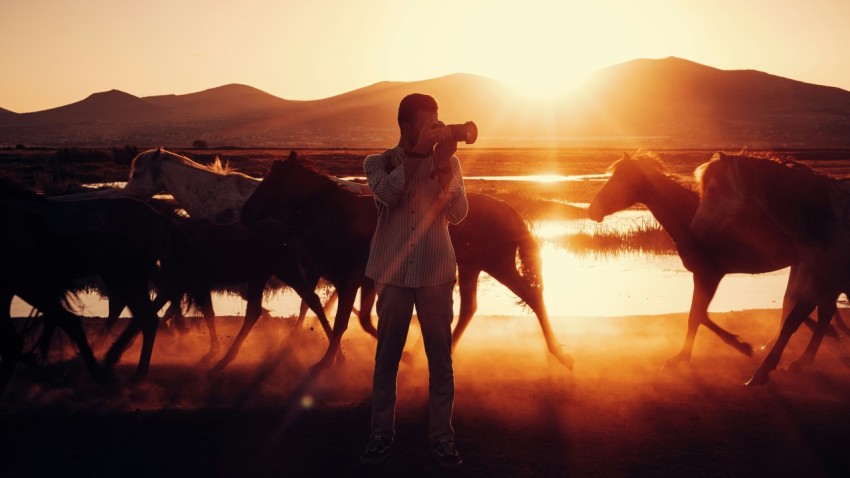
column 466, row 132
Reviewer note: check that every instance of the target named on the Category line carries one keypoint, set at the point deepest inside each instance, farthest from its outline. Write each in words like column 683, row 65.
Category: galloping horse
column 490, row 239
column 120, row 240
column 641, row 179
column 226, row 255
column 799, row 206
column 34, row 265
column 340, row 227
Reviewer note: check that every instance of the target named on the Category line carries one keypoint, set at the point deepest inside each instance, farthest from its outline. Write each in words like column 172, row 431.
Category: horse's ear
column 293, row 156
column 158, row 151
column 720, row 155
column 626, row 156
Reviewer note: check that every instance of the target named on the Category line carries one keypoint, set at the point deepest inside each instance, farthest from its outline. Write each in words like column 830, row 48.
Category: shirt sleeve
column 455, row 196
column 386, row 186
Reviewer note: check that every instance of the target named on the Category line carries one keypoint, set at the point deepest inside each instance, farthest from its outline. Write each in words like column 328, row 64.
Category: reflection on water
column 575, row 284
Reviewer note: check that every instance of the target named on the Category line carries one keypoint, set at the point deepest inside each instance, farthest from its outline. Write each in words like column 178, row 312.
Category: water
column 575, row 284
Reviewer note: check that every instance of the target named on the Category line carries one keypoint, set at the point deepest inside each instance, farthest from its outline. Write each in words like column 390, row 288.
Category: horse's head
column 288, row 184
column 145, row 180
column 722, row 195
column 628, row 185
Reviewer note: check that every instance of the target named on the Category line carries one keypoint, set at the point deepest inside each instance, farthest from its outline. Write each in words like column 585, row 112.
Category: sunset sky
column 57, row 52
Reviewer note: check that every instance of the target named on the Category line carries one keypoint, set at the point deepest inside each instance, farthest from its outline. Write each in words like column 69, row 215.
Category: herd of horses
column 298, row 226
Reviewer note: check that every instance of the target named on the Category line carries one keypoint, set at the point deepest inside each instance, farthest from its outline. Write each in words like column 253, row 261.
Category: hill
column 668, row 102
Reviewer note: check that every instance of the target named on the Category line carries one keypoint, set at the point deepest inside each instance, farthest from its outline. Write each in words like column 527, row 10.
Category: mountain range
column 668, row 102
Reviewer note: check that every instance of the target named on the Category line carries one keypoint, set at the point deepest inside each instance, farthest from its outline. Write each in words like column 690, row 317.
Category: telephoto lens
column 466, row 132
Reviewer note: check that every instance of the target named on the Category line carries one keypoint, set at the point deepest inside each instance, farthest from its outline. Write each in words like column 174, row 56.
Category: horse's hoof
column 217, row 370
column 797, row 366
column 673, row 363
column 745, row 348
column 566, row 360
column 206, row 359
column 758, row 379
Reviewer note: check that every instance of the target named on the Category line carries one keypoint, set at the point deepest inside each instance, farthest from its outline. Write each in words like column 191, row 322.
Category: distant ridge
column 651, row 103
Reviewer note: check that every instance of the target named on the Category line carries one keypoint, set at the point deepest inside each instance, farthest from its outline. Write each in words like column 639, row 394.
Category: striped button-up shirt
column 411, row 246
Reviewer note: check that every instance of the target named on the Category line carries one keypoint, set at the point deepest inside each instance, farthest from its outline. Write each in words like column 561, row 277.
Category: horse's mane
column 312, row 170
column 215, row 167
column 644, row 159
column 765, row 161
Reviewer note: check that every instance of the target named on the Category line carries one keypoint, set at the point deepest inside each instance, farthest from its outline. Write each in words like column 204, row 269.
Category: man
column 418, row 189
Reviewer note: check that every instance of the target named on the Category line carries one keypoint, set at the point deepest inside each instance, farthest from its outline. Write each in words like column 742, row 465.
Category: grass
column 644, row 237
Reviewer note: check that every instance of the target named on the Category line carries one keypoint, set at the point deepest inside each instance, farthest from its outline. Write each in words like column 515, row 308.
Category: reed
column 643, row 237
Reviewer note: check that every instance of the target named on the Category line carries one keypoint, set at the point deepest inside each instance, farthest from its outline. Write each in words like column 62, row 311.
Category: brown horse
column 797, row 205
column 339, row 226
column 641, row 179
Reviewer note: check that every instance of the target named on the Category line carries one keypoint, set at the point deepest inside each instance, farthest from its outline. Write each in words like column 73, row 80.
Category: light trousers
column 395, row 309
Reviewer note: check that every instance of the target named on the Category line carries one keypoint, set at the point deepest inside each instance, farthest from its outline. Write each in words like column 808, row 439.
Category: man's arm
column 387, row 186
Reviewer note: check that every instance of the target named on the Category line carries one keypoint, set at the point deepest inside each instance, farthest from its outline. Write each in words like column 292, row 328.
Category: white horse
column 214, row 192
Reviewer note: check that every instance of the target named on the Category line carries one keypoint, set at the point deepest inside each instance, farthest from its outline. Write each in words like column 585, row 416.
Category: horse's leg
column 205, row 304
column 367, row 301
column 116, row 306
column 148, row 322
column 800, row 311
column 311, row 300
column 254, row 296
column 347, row 294
column 467, row 279
column 72, row 326
column 507, row 274
column 705, row 287
column 840, row 324
column 826, row 310
column 10, row 343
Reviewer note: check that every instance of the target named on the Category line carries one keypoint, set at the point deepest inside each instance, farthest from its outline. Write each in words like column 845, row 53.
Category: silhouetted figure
column 418, row 188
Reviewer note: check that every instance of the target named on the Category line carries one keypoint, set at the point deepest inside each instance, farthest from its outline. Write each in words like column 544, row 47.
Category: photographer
column 418, row 189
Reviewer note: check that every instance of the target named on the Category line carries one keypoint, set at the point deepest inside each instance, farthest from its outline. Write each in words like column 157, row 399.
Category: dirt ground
column 518, row 412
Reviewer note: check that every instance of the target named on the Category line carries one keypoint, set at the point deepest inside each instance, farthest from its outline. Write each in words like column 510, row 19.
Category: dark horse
column 124, row 241
column 338, row 227
column 641, row 179
column 798, row 205
column 233, row 254
column 34, row 266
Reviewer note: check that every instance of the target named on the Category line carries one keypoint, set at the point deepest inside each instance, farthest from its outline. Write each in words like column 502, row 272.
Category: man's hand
column 443, row 153
column 428, row 136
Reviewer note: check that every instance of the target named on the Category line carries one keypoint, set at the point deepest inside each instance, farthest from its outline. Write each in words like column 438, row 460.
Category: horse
column 340, row 225
column 122, row 240
column 641, row 179
column 232, row 254
column 800, row 206
column 34, row 265
column 490, row 239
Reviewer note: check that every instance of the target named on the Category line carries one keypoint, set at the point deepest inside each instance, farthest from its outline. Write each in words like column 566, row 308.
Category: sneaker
column 377, row 450
column 446, row 454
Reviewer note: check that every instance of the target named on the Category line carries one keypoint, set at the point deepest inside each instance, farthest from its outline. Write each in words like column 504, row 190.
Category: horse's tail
column 529, row 262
